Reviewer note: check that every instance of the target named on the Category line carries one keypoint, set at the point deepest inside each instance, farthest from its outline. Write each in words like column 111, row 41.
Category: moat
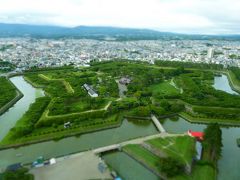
column 228, row 164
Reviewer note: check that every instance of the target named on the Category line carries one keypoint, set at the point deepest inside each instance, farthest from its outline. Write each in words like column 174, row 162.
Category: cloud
column 185, row 16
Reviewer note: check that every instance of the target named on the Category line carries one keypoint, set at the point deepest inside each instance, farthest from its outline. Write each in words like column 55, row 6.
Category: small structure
column 14, row 167
column 199, row 150
column 39, row 162
column 115, row 176
column 52, row 161
column 125, row 80
column 198, row 135
column 67, row 125
column 102, row 167
column 90, row 90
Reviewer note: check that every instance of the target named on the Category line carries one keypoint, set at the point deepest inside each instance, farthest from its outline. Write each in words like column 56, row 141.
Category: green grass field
column 143, row 155
column 234, row 80
column 7, row 91
column 164, row 88
column 181, row 148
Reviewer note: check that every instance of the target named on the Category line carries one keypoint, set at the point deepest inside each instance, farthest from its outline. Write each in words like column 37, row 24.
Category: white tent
column 52, row 161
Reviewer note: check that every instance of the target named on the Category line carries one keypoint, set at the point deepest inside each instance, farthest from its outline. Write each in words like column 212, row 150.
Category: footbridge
column 137, row 140
column 158, row 124
column 107, row 148
column 120, row 145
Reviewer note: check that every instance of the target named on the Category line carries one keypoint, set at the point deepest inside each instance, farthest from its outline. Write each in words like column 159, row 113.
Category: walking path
column 174, row 85
column 134, row 141
column 67, row 85
column 46, row 113
column 157, row 124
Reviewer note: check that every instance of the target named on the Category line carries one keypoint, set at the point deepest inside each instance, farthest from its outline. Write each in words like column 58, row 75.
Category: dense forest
column 188, row 65
column 6, row 66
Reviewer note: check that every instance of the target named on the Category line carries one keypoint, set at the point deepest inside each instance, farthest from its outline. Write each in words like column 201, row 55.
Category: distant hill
column 95, row 32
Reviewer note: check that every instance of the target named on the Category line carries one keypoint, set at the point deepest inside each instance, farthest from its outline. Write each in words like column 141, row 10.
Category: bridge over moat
column 112, row 147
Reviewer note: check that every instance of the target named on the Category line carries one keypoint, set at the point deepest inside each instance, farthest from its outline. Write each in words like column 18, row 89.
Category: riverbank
column 56, row 138
column 18, row 96
column 198, row 120
column 234, row 83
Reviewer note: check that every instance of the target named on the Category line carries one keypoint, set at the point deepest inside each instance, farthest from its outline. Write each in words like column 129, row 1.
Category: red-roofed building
column 198, row 135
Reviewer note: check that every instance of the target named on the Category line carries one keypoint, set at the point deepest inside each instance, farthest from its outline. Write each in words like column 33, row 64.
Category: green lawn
column 181, row 148
column 234, row 80
column 175, row 147
column 64, row 106
column 143, row 155
column 164, row 88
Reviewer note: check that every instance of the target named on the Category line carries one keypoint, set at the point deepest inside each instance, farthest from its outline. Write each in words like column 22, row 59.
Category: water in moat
column 228, row 165
column 127, row 167
column 10, row 117
column 222, row 83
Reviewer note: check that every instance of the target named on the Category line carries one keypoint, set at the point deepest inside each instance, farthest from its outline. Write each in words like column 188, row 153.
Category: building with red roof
column 198, row 135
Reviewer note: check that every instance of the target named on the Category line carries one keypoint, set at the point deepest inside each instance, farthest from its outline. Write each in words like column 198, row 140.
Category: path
column 133, row 141
column 122, row 89
column 46, row 113
column 174, row 85
column 158, row 124
column 65, row 83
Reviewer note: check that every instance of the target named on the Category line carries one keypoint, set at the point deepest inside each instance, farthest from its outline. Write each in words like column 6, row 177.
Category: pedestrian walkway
column 157, row 124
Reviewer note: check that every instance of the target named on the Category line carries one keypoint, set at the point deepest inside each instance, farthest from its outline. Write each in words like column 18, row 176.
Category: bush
column 171, row 167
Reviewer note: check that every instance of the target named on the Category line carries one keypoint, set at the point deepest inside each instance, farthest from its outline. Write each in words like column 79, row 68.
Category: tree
column 171, row 167
column 165, row 104
column 213, row 141
column 20, row 174
column 177, row 107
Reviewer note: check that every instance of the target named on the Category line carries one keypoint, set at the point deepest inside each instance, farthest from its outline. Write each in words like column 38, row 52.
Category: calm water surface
column 128, row 168
column 222, row 83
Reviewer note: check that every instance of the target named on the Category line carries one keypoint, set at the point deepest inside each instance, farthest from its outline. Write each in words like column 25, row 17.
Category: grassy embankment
column 234, row 82
column 67, row 85
column 9, row 94
column 181, row 148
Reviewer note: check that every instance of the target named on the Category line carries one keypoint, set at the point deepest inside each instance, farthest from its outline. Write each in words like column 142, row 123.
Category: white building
column 90, row 90
column 210, row 53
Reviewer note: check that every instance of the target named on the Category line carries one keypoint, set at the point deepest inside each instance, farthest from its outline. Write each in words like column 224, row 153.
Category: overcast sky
column 184, row 16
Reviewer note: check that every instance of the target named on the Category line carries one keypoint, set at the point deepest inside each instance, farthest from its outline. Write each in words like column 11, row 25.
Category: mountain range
column 98, row 32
